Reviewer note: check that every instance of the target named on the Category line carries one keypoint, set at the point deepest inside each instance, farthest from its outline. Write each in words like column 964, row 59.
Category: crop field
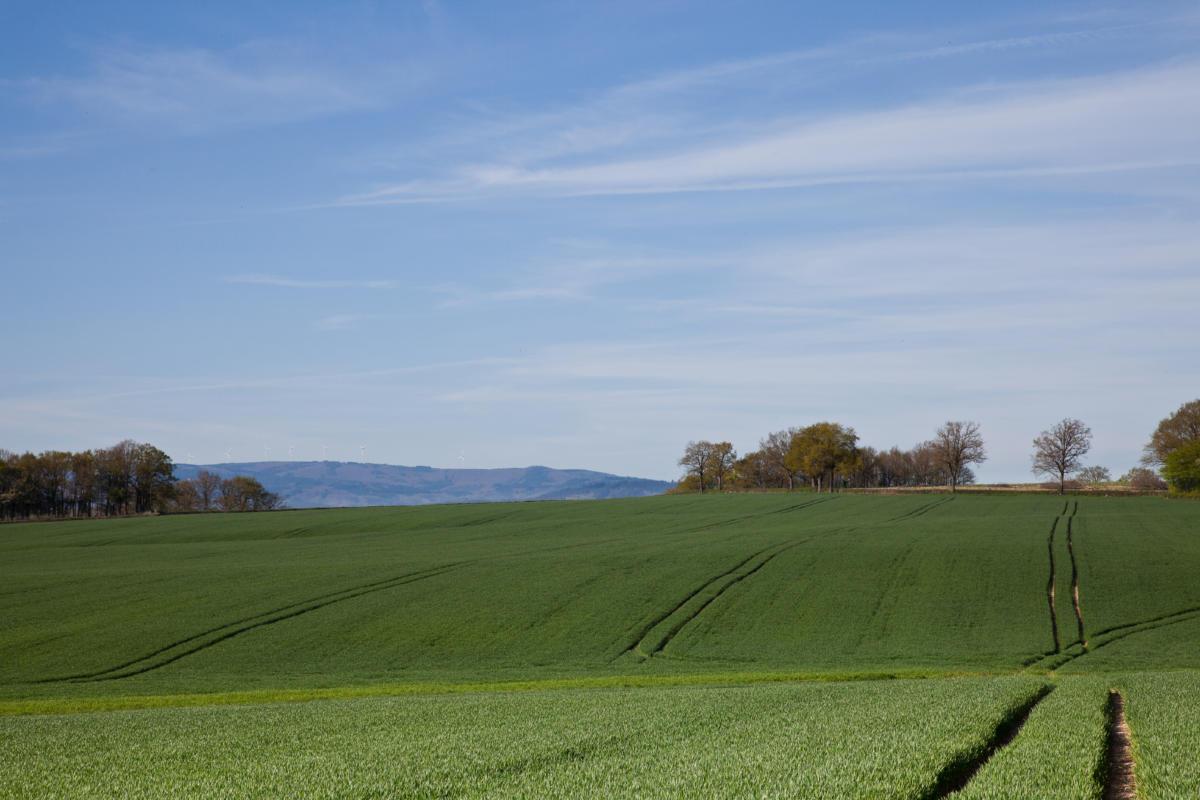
column 776, row 645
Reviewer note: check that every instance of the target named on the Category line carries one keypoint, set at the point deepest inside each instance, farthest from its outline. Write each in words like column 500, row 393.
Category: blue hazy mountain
column 309, row 484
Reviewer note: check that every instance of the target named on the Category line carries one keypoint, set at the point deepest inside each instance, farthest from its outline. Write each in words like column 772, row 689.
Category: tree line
column 210, row 492
column 827, row 456
column 127, row 478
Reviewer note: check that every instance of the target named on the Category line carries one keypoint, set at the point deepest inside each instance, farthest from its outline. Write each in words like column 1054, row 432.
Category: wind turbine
column 291, row 451
column 324, row 452
column 362, row 452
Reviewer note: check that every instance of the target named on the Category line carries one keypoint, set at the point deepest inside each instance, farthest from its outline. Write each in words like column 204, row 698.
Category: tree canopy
column 1182, row 468
column 128, row 478
column 1179, row 428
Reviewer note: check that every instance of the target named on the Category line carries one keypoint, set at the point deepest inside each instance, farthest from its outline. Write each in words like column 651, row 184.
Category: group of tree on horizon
column 827, row 456
column 127, row 478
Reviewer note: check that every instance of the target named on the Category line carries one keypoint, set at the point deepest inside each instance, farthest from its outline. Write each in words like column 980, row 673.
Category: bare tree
column 1060, row 450
column 956, row 446
column 208, row 486
column 186, row 497
column 722, row 458
column 1143, row 479
column 1093, row 476
column 696, row 459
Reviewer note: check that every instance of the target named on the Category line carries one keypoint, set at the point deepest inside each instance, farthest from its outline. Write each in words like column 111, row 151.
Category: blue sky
column 489, row 234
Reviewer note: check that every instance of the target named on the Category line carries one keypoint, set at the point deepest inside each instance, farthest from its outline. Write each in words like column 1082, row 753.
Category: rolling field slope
column 742, row 618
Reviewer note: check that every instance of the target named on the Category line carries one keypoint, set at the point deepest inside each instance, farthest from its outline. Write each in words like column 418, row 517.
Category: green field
column 691, row 646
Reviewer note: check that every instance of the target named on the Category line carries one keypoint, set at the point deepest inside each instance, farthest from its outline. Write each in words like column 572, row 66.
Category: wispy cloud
column 303, row 283
column 1132, row 120
column 573, row 277
column 340, row 322
column 673, row 107
column 197, row 89
column 38, row 147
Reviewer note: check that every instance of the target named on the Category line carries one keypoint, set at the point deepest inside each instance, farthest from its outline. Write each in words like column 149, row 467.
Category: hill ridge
column 311, row 484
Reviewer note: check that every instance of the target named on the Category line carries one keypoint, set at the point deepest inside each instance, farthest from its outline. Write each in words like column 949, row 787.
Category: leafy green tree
column 153, row 478
column 1182, row 468
column 824, row 450
column 1172, row 433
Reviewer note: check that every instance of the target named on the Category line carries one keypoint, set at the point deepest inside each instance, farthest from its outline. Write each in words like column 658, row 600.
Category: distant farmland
column 722, row 645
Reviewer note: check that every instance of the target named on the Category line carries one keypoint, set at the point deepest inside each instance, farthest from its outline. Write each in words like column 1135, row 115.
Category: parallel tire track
column 922, row 509
column 1129, row 629
column 682, row 623
column 729, row 577
column 734, row 520
column 644, row 631
column 1159, row 618
column 1051, row 600
column 219, row 633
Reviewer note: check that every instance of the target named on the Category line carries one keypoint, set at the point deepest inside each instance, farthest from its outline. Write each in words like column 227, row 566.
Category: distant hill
column 310, row 484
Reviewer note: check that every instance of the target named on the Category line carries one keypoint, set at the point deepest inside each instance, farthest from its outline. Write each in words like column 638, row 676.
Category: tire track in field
column 685, row 621
column 1130, row 629
column 922, row 510
column 784, row 510
column 219, row 633
column 644, row 631
column 1160, row 617
column 1075, row 579
column 888, row 585
column 735, row 574
column 955, row 776
column 1050, row 592
column 1051, row 599
column 1119, row 781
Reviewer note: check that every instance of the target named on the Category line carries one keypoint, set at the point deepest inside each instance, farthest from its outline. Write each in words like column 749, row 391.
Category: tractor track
column 922, row 509
column 734, row 520
column 958, row 773
column 644, row 631
column 199, row 641
column 639, row 638
column 1068, row 513
column 1119, row 782
column 683, row 623
column 1159, row 618
column 1129, row 630
column 1050, row 592
column 1075, row 580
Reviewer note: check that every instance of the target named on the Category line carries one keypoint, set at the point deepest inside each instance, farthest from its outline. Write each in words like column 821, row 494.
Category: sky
column 581, row 234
